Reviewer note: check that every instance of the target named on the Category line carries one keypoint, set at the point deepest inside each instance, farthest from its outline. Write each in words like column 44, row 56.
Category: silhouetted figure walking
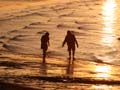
column 45, row 44
column 71, row 41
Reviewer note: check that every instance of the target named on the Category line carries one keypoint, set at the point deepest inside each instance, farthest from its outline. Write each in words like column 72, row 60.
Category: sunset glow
column 108, row 21
column 101, row 87
column 103, row 71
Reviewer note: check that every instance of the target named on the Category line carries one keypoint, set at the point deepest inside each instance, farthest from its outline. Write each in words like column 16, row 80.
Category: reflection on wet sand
column 70, row 68
column 44, row 68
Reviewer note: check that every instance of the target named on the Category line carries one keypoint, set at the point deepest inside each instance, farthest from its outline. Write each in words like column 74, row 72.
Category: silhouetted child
column 45, row 44
column 71, row 41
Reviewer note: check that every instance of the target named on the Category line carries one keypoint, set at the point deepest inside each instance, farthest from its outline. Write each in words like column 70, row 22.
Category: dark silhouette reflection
column 70, row 68
column 45, row 44
column 71, row 41
column 44, row 69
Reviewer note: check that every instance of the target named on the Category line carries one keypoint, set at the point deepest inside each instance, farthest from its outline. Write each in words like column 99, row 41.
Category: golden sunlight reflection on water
column 103, row 72
column 101, row 87
column 108, row 37
column 109, row 18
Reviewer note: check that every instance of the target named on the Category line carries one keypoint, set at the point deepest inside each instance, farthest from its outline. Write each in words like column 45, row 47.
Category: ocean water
column 95, row 24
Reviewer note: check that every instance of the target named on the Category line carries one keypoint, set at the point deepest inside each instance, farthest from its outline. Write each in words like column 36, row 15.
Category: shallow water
column 96, row 26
